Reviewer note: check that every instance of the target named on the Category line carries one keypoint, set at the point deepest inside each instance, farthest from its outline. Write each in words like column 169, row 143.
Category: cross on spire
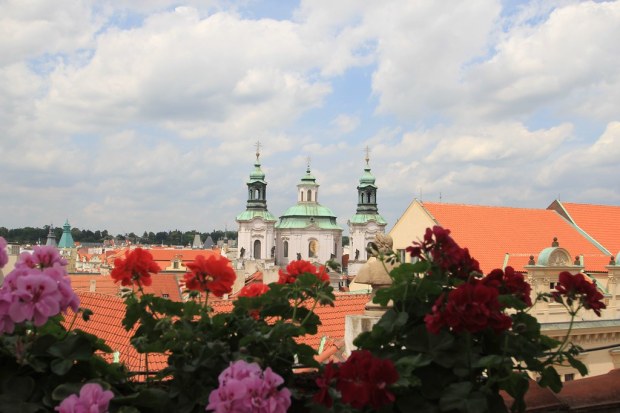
column 367, row 158
column 308, row 161
column 257, row 150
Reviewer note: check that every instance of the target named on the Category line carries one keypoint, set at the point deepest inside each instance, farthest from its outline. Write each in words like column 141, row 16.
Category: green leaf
column 550, row 378
column 77, row 346
column 18, row 388
column 578, row 365
column 455, row 396
column 65, row 390
column 60, row 367
column 86, row 313
column 477, row 403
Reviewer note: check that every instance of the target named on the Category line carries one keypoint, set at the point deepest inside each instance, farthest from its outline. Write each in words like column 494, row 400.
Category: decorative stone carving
column 559, row 258
column 376, row 272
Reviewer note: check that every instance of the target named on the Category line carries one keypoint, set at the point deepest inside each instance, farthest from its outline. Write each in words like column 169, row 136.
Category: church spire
column 257, row 186
column 367, row 190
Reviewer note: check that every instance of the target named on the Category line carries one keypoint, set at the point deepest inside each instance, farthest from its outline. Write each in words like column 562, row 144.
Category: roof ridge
column 482, row 206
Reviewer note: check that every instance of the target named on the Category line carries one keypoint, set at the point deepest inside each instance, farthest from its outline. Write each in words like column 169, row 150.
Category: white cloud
column 144, row 115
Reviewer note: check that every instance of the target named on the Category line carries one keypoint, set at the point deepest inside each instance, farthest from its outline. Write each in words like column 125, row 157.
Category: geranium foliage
column 452, row 340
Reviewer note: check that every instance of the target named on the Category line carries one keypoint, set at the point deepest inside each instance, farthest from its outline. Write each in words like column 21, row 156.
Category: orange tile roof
column 332, row 318
column 186, row 255
column 490, row 232
column 601, row 222
column 103, row 284
column 105, row 323
column 164, row 285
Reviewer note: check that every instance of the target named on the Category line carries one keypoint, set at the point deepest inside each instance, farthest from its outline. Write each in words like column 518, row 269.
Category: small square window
column 569, row 377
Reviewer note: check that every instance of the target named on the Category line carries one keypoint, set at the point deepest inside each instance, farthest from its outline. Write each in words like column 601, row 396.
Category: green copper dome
column 308, row 178
column 307, row 215
column 249, row 215
column 367, row 178
column 257, row 175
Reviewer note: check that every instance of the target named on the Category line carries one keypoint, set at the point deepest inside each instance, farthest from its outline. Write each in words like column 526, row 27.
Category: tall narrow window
column 257, row 250
column 313, row 248
column 309, row 196
column 285, row 249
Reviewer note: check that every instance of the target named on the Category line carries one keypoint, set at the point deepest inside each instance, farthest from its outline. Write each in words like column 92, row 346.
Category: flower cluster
column 470, row 307
column 92, row 399
column 577, row 288
column 510, row 282
column 245, row 387
column 135, row 269
column 213, row 274
column 253, row 290
column 363, row 380
column 439, row 247
column 37, row 289
column 298, row 267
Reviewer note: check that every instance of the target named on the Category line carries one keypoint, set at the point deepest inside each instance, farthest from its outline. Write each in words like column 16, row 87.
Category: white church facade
column 307, row 230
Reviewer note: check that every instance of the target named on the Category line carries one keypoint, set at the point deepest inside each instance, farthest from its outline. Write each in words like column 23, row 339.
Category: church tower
column 367, row 222
column 308, row 230
column 256, row 223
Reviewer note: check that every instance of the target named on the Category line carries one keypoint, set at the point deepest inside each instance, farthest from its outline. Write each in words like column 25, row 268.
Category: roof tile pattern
column 163, row 285
column 490, row 232
column 332, row 318
column 601, row 222
column 106, row 323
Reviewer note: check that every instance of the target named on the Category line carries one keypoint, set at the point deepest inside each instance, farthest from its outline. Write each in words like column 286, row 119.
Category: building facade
column 256, row 236
column 366, row 223
column 308, row 230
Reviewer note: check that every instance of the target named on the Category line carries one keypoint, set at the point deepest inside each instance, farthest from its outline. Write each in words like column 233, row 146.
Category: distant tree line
column 30, row 235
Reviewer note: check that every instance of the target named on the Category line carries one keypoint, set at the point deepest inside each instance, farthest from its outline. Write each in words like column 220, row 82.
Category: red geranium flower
column 213, row 274
column 322, row 396
column 578, row 287
column 510, row 282
column 469, row 307
column 136, row 268
column 253, row 290
column 445, row 253
column 298, row 267
column 364, row 379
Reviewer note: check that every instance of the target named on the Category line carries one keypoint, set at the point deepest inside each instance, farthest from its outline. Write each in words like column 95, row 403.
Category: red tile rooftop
column 490, row 232
column 106, row 323
column 601, row 222
column 163, row 285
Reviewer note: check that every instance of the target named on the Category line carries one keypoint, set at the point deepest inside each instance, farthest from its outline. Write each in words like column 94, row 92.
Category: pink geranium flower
column 37, row 299
column 92, row 399
column 245, row 387
column 37, row 289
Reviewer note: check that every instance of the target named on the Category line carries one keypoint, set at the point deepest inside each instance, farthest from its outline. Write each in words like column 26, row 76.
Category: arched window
column 285, row 249
column 309, row 195
column 302, row 196
column 257, row 250
column 368, row 197
column 313, row 248
column 258, row 193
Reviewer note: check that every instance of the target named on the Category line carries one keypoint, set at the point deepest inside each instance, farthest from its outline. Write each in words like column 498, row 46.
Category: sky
column 144, row 115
